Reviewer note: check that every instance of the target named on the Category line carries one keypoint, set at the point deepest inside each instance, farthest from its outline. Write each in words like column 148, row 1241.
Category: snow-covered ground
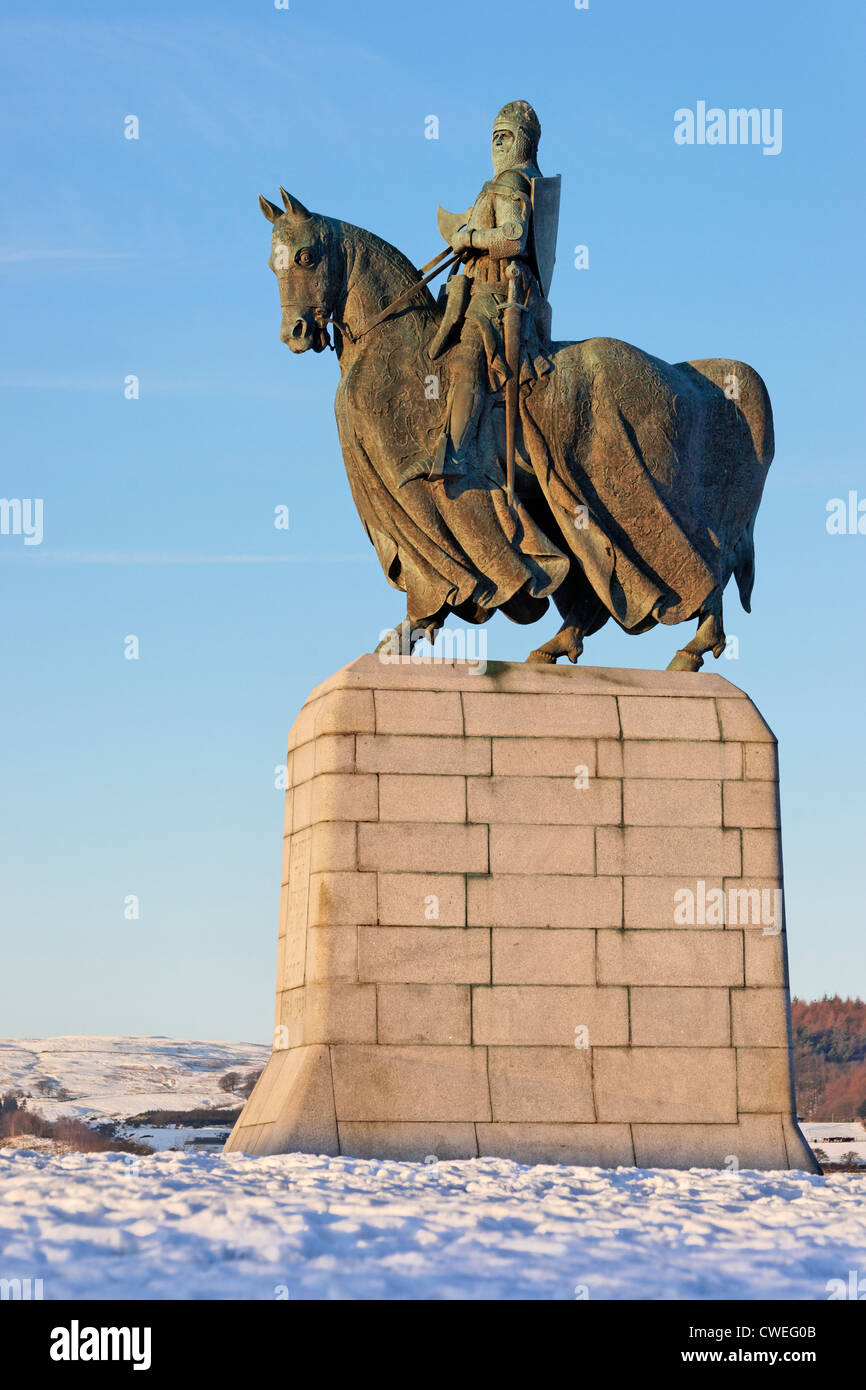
column 202, row 1226
column 198, row 1225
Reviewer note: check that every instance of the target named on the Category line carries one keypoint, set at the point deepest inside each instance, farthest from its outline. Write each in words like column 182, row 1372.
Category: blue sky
column 156, row 777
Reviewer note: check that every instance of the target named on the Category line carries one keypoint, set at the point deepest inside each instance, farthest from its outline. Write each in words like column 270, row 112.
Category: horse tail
column 744, row 563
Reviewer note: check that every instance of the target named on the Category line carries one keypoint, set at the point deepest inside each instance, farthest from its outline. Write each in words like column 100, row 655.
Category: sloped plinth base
column 534, row 913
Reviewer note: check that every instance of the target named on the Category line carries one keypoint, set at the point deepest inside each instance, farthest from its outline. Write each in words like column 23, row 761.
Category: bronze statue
column 493, row 468
column 498, row 307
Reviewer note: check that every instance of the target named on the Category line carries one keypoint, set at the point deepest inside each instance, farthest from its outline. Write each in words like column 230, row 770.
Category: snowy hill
column 110, row 1079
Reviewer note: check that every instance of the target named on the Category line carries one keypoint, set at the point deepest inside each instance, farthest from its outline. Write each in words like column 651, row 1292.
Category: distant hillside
column 164, row 1092
column 830, row 1058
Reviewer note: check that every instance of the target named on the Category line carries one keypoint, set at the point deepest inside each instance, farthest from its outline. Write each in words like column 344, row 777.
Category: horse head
column 308, row 268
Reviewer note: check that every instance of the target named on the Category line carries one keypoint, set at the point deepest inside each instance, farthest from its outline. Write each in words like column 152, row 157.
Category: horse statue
column 636, row 483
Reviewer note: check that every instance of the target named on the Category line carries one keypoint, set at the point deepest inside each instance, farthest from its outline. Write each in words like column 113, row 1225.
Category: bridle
column 439, row 262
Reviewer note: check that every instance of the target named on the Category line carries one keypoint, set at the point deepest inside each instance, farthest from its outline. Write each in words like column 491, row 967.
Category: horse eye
column 305, row 257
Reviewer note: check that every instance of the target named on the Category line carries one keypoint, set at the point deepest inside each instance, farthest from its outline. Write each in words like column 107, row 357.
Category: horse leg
column 582, row 614
column 567, row 642
column 710, row 636
column 402, row 640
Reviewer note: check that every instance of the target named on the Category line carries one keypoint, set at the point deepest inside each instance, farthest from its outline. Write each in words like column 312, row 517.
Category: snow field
column 180, row 1225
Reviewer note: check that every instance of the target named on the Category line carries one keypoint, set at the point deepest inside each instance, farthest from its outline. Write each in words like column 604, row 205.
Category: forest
column 830, row 1058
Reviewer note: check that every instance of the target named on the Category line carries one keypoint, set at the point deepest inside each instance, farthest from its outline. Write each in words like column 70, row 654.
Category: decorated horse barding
column 636, row 484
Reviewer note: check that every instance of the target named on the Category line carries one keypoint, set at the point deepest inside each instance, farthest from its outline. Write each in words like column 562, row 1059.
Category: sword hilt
column 514, row 276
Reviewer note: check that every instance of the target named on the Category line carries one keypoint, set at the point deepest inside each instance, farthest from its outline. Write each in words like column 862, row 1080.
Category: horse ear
column 294, row 207
column 271, row 211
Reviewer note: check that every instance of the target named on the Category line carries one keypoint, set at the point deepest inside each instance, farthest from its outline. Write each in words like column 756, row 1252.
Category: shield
column 545, row 223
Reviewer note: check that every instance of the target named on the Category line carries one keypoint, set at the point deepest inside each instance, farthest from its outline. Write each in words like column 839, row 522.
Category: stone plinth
column 534, row 913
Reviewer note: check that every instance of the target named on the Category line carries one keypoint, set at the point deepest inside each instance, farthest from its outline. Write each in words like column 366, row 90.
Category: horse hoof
column 686, row 661
column 395, row 644
column 541, row 658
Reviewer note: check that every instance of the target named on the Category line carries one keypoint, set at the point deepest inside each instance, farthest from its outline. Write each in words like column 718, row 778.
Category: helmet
column 519, row 115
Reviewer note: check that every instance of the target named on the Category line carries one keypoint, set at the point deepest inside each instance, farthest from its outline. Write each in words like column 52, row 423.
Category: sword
column 511, row 332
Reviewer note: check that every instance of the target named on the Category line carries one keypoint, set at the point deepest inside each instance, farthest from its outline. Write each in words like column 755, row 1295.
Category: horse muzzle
column 302, row 331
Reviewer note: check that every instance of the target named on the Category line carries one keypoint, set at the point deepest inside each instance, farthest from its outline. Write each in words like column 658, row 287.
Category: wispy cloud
column 28, row 381
column 132, row 557
column 277, row 390
column 47, row 254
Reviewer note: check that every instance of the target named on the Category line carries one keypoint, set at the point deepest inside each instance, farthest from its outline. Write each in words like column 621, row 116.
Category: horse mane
column 365, row 240
column 390, row 367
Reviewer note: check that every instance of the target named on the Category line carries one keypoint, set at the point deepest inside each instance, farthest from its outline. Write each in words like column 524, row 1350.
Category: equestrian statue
column 495, row 468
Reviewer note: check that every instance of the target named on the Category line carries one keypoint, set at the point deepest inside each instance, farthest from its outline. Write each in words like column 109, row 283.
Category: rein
column 439, row 262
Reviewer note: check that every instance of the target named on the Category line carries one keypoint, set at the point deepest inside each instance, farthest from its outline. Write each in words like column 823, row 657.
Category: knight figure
column 507, row 243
